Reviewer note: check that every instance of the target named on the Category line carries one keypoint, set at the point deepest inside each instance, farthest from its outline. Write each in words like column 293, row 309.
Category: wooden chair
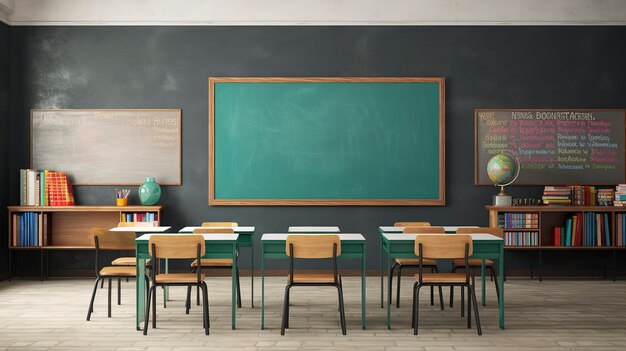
column 220, row 224
column 444, row 246
column 176, row 247
column 137, row 224
column 213, row 263
column 321, row 246
column 401, row 263
column 105, row 240
column 475, row 263
column 131, row 260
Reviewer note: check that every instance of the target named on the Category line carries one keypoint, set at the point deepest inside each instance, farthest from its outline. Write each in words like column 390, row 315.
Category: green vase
column 149, row 192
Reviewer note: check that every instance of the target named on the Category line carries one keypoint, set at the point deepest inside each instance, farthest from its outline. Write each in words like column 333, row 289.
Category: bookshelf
column 549, row 217
column 67, row 227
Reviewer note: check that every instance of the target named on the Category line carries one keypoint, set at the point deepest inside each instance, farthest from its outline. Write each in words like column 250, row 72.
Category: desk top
column 283, row 236
column 236, row 229
column 323, row 229
column 207, row 237
column 141, row 229
column 447, row 228
column 402, row 236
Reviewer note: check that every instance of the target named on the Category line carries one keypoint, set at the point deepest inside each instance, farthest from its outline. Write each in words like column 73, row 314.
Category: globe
column 502, row 169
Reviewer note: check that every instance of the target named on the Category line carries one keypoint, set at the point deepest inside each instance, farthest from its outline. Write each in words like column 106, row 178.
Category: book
column 30, row 187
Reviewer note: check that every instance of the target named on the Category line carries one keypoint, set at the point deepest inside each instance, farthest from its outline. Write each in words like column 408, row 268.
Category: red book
column 557, row 236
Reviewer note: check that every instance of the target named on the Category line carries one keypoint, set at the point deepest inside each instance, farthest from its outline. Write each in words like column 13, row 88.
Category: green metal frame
column 483, row 249
column 350, row 249
column 214, row 249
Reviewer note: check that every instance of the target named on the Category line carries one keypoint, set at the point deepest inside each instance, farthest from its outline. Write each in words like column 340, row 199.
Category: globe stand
column 502, row 199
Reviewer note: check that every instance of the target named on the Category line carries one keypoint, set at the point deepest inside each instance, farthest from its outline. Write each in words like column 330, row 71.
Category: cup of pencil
column 121, row 196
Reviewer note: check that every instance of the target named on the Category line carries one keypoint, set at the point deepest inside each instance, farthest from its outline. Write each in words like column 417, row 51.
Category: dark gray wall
column 168, row 67
column 4, row 142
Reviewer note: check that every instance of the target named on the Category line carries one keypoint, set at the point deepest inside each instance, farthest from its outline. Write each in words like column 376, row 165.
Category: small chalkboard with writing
column 557, row 147
column 108, row 147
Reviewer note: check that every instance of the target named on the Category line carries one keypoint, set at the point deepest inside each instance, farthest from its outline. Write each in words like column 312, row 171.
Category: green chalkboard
column 326, row 141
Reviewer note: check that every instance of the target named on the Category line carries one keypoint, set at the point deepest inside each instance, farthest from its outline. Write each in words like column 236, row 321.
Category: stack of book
column 139, row 217
column 521, row 238
column 557, row 195
column 518, row 220
column 620, row 195
column 28, row 229
column 45, row 188
column 606, row 197
column 583, row 195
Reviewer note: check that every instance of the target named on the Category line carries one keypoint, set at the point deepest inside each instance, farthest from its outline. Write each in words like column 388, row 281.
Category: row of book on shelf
column 30, row 229
column 518, row 220
column 139, row 217
column 45, row 188
column 530, row 238
column 584, row 195
column 586, row 229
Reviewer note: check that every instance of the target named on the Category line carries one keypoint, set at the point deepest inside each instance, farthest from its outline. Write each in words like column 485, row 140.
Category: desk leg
column 262, row 286
column 389, row 266
column 501, row 283
column 382, row 295
column 482, row 274
column 233, row 275
column 140, row 289
column 363, row 304
column 252, row 276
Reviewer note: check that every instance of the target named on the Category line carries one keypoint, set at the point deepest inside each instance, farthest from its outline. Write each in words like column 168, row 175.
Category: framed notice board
column 108, row 147
column 554, row 147
column 326, row 141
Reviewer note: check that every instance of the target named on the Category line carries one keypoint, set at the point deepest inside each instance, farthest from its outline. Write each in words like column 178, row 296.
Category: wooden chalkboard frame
column 180, row 158
column 476, row 182
column 440, row 201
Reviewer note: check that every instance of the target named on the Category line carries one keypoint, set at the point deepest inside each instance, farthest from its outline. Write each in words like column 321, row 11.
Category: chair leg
column 413, row 307
column 205, row 313
column 238, row 289
column 416, row 297
column 283, row 324
column 154, row 303
column 208, row 319
column 432, row 291
column 342, row 311
column 188, row 300
column 109, row 300
column 475, row 304
column 441, row 297
column 469, row 306
column 462, row 301
column 147, row 318
column 393, row 267
column 93, row 297
column 102, row 284
column 398, row 286
column 288, row 307
column 452, row 291
column 495, row 280
column 119, row 291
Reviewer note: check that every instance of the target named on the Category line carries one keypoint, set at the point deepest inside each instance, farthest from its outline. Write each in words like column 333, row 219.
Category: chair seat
column 416, row 261
column 472, row 262
column 118, row 271
column 312, row 278
column 178, row 278
column 214, row 262
column 443, row 278
column 126, row 261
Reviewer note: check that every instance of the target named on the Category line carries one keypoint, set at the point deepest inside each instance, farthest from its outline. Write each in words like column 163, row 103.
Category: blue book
column 30, row 229
column 568, row 231
column 607, row 233
column 624, row 229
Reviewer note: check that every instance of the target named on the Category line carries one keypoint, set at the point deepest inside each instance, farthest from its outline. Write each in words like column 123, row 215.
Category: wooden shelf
column 546, row 208
column 521, row 230
column 85, row 208
column 52, row 247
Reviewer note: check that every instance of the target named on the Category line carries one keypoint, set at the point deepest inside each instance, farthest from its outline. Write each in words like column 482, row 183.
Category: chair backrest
column 137, row 224
column 210, row 230
column 485, row 230
column 313, row 246
column 176, row 246
column 424, row 230
column 411, row 224
column 220, row 224
column 108, row 240
column 450, row 246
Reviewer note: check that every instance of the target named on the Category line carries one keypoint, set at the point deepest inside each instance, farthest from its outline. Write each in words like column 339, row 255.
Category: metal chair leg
column 342, row 311
column 441, row 297
column 416, row 297
column 462, row 301
column 205, row 312
column 494, row 277
column 469, row 306
column 413, row 307
column 451, row 296
column 398, row 286
column 109, row 300
column 391, row 279
column 288, row 304
column 154, row 303
column 188, row 300
column 147, row 317
column 119, row 291
column 432, row 290
column 208, row 315
column 93, row 297
column 283, row 324
column 478, row 328
column 238, row 289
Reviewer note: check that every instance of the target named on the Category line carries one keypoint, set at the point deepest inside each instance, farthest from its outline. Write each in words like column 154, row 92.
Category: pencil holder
column 122, row 201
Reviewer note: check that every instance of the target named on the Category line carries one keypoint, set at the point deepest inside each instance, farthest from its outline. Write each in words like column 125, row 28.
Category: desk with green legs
column 485, row 246
column 246, row 239
column 217, row 246
column 273, row 247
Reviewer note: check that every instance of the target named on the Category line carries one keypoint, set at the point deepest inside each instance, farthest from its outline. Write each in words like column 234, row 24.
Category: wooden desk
column 246, row 239
column 161, row 229
column 485, row 246
column 393, row 229
column 273, row 246
column 217, row 246
column 324, row 229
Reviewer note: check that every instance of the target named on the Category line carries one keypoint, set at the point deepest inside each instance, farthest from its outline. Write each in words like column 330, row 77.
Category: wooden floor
column 551, row 315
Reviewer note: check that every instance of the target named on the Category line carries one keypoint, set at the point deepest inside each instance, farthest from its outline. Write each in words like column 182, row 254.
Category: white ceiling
column 313, row 12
